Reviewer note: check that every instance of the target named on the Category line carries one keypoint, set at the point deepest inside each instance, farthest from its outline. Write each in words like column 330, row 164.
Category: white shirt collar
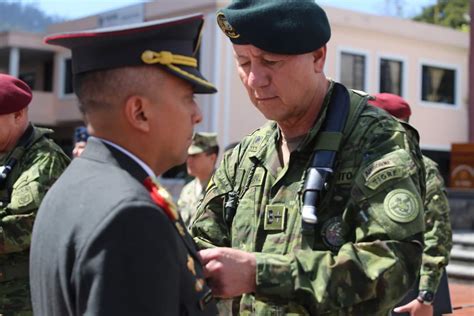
column 140, row 162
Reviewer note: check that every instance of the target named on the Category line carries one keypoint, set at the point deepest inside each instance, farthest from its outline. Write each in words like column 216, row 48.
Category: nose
column 197, row 115
column 257, row 77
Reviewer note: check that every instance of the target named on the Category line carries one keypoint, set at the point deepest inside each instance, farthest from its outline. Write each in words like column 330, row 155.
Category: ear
column 319, row 59
column 137, row 111
column 20, row 115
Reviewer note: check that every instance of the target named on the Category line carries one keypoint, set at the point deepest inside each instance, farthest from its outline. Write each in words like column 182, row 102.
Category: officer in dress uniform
column 318, row 212
column 108, row 239
column 30, row 162
column 201, row 161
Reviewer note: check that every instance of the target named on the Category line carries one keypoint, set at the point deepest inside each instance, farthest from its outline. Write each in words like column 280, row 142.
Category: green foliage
column 450, row 13
column 15, row 16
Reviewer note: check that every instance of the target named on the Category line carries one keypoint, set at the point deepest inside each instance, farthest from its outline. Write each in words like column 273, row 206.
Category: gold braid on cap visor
column 169, row 60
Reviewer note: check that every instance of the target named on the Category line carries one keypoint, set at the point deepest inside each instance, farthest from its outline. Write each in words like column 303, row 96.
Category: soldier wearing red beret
column 29, row 164
column 437, row 236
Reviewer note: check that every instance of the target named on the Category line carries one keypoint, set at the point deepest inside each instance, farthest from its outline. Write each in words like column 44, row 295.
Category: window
column 391, row 74
column 438, row 85
column 353, row 70
column 67, row 83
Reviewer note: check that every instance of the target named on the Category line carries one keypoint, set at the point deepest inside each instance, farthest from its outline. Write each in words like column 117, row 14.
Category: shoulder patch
column 377, row 166
column 22, row 197
column 401, row 206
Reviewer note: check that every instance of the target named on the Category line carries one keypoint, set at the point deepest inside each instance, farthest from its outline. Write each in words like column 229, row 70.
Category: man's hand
column 415, row 308
column 230, row 272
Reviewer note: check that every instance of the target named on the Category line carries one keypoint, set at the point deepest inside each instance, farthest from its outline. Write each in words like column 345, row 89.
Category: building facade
column 426, row 64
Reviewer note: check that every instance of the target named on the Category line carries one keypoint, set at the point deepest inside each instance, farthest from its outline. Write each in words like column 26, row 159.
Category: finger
column 207, row 255
column 402, row 309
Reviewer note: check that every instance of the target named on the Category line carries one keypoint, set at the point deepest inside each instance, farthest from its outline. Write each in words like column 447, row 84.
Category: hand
column 230, row 272
column 415, row 308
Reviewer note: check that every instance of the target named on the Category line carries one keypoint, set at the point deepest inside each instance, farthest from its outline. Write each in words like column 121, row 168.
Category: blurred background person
column 437, row 236
column 80, row 140
column 201, row 163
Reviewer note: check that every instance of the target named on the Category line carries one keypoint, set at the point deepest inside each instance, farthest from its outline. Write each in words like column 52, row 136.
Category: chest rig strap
column 324, row 156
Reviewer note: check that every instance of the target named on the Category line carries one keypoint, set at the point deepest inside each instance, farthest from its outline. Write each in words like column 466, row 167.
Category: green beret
column 202, row 142
column 277, row 26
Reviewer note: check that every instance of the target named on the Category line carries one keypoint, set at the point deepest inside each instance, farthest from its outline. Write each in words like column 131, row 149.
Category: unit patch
column 275, row 217
column 226, row 27
column 376, row 166
column 22, row 197
column 377, row 179
column 401, row 206
column 332, row 233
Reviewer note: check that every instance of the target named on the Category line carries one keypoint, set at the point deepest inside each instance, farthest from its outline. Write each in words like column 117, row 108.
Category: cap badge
column 226, row 27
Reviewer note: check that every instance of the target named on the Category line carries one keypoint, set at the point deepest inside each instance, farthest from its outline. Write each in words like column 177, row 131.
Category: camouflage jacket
column 365, row 251
column 40, row 165
column 438, row 237
column 189, row 199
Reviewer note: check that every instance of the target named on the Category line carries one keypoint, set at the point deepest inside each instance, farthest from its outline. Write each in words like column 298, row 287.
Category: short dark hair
column 104, row 89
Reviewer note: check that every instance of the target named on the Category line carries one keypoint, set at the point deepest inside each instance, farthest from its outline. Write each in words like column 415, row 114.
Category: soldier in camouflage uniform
column 437, row 236
column 29, row 164
column 364, row 252
column 201, row 162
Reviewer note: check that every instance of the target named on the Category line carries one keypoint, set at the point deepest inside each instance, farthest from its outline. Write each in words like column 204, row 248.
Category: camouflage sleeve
column 438, row 237
column 40, row 167
column 383, row 220
column 209, row 228
column 185, row 204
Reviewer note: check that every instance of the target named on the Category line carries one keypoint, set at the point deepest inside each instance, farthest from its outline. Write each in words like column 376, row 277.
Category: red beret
column 14, row 94
column 393, row 104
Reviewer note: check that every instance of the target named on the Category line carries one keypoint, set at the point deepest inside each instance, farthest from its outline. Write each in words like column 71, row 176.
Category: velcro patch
column 401, row 206
column 374, row 181
column 22, row 196
column 377, row 166
column 345, row 176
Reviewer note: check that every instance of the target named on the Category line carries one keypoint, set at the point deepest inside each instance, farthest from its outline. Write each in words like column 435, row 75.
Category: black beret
column 277, row 26
column 170, row 43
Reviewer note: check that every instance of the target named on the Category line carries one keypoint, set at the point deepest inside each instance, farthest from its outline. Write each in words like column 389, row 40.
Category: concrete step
column 461, row 270
column 459, row 253
column 463, row 238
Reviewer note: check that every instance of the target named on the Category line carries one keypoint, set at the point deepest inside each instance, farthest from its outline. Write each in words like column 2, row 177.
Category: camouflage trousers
column 15, row 298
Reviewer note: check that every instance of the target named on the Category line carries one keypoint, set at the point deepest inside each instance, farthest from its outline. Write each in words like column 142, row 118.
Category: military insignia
column 22, row 197
column 190, row 265
column 180, row 229
column 199, row 285
column 275, row 217
column 401, row 206
column 255, row 144
column 376, row 166
column 332, row 233
column 383, row 176
column 226, row 27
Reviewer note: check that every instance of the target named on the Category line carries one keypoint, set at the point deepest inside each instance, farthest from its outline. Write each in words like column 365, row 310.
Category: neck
column 304, row 123
column 204, row 179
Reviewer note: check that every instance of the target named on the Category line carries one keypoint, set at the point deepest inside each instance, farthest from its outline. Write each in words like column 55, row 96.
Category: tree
column 23, row 17
column 450, row 13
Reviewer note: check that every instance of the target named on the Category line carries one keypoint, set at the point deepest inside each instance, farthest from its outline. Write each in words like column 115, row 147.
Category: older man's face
column 7, row 132
column 282, row 87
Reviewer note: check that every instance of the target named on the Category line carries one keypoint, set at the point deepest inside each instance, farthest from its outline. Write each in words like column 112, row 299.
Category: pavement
column 462, row 294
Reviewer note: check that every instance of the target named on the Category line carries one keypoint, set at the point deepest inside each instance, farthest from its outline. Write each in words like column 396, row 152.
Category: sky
column 71, row 9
